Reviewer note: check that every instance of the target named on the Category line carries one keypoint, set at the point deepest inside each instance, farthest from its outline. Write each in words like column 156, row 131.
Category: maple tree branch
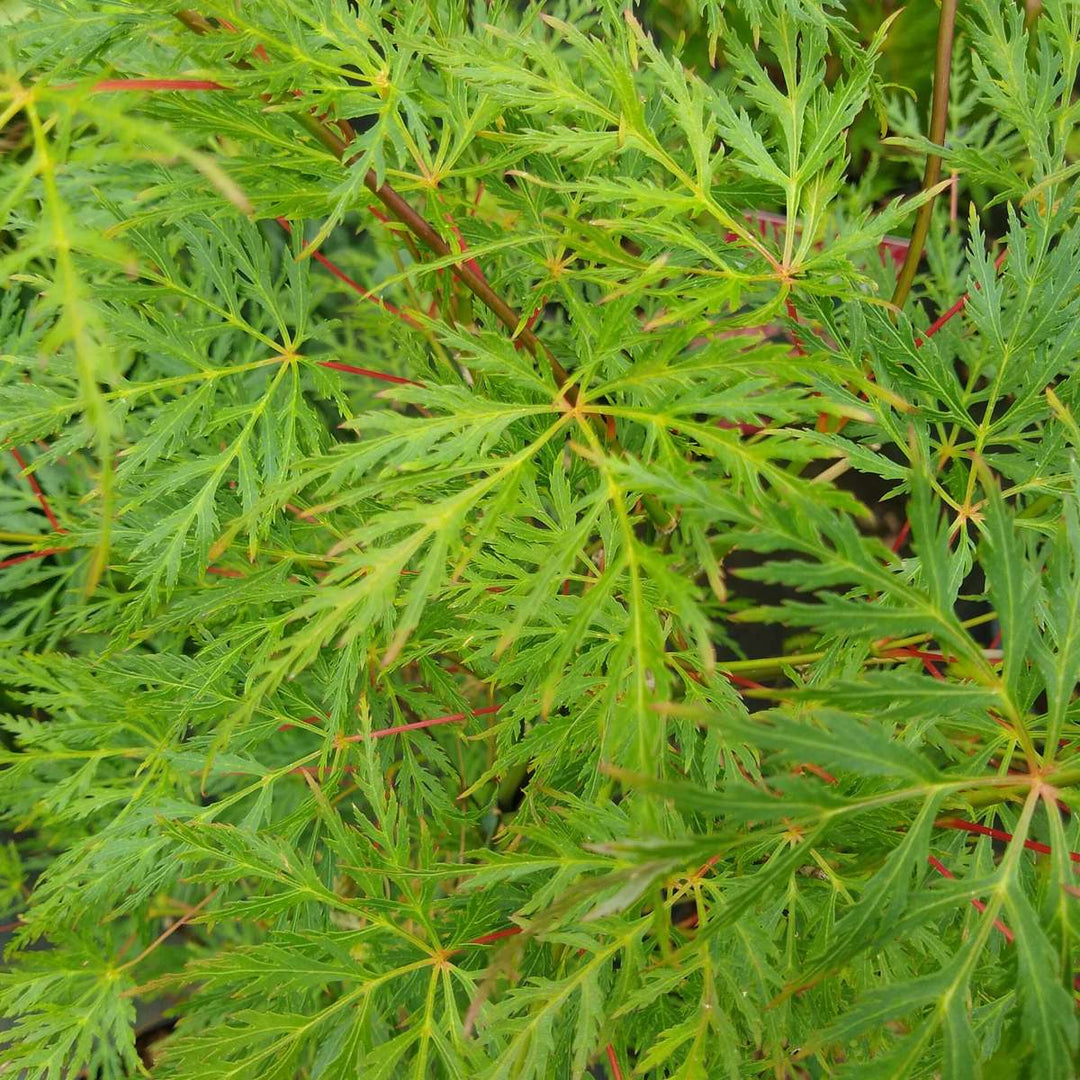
column 172, row 928
column 939, row 118
column 613, row 1061
column 35, row 487
column 998, row 834
column 365, row 294
column 426, row 233
column 43, row 553
column 977, row 904
column 415, row 222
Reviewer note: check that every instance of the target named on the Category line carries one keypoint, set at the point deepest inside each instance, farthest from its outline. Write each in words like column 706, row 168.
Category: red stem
column 110, row 85
column 495, row 935
column 977, row 904
column 739, row 680
column 463, row 247
column 613, row 1061
column 451, row 718
column 35, row 487
column 384, row 376
column 959, row 306
column 794, row 316
column 31, row 555
column 354, row 285
column 818, row 771
column 939, row 119
column 901, row 536
column 997, row 834
column 382, row 733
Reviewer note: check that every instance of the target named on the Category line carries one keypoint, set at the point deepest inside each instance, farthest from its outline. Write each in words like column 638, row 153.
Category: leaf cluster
column 490, row 586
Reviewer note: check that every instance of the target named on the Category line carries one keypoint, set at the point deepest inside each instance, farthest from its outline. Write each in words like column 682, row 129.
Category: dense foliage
column 491, row 586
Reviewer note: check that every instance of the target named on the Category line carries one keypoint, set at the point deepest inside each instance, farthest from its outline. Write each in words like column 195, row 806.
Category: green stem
column 939, row 118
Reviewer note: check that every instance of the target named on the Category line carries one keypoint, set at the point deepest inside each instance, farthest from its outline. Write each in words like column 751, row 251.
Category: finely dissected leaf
column 836, row 739
column 1047, row 1005
column 1011, row 586
column 904, row 695
column 1058, row 654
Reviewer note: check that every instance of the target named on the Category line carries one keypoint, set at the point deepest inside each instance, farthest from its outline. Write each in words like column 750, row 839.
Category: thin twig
column 426, row 233
column 939, row 118
column 172, row 928
column 370, row 373
column 435, row 721
column 35, row 487
column 613, row 1061
column 998, row 834
column 418, row 225
column 356, row 287
column 976, row 903
column 495, row 935
column 397, row 729
column 31, row 555
column 115, row 85
column 959, row 306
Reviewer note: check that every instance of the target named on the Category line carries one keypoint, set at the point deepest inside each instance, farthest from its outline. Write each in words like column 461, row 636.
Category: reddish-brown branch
column 817, row 770
column 613, row 1061
column 929, row 660
column 397, row 729
column 356, row 287
column 463, row 247
column 956, row 308
column 977, row 904
column 35, row 487
column 495, row 935
column 901, row 536
column 418, row 225
column 31, row 555
column 370, row 373
column 739, row 680
column 222, row 571
column 172, row 928
column 939, row 119
column 997, row 834
column 530, row 322
column 435, row 721
column 112, row 85
column 794, row 316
